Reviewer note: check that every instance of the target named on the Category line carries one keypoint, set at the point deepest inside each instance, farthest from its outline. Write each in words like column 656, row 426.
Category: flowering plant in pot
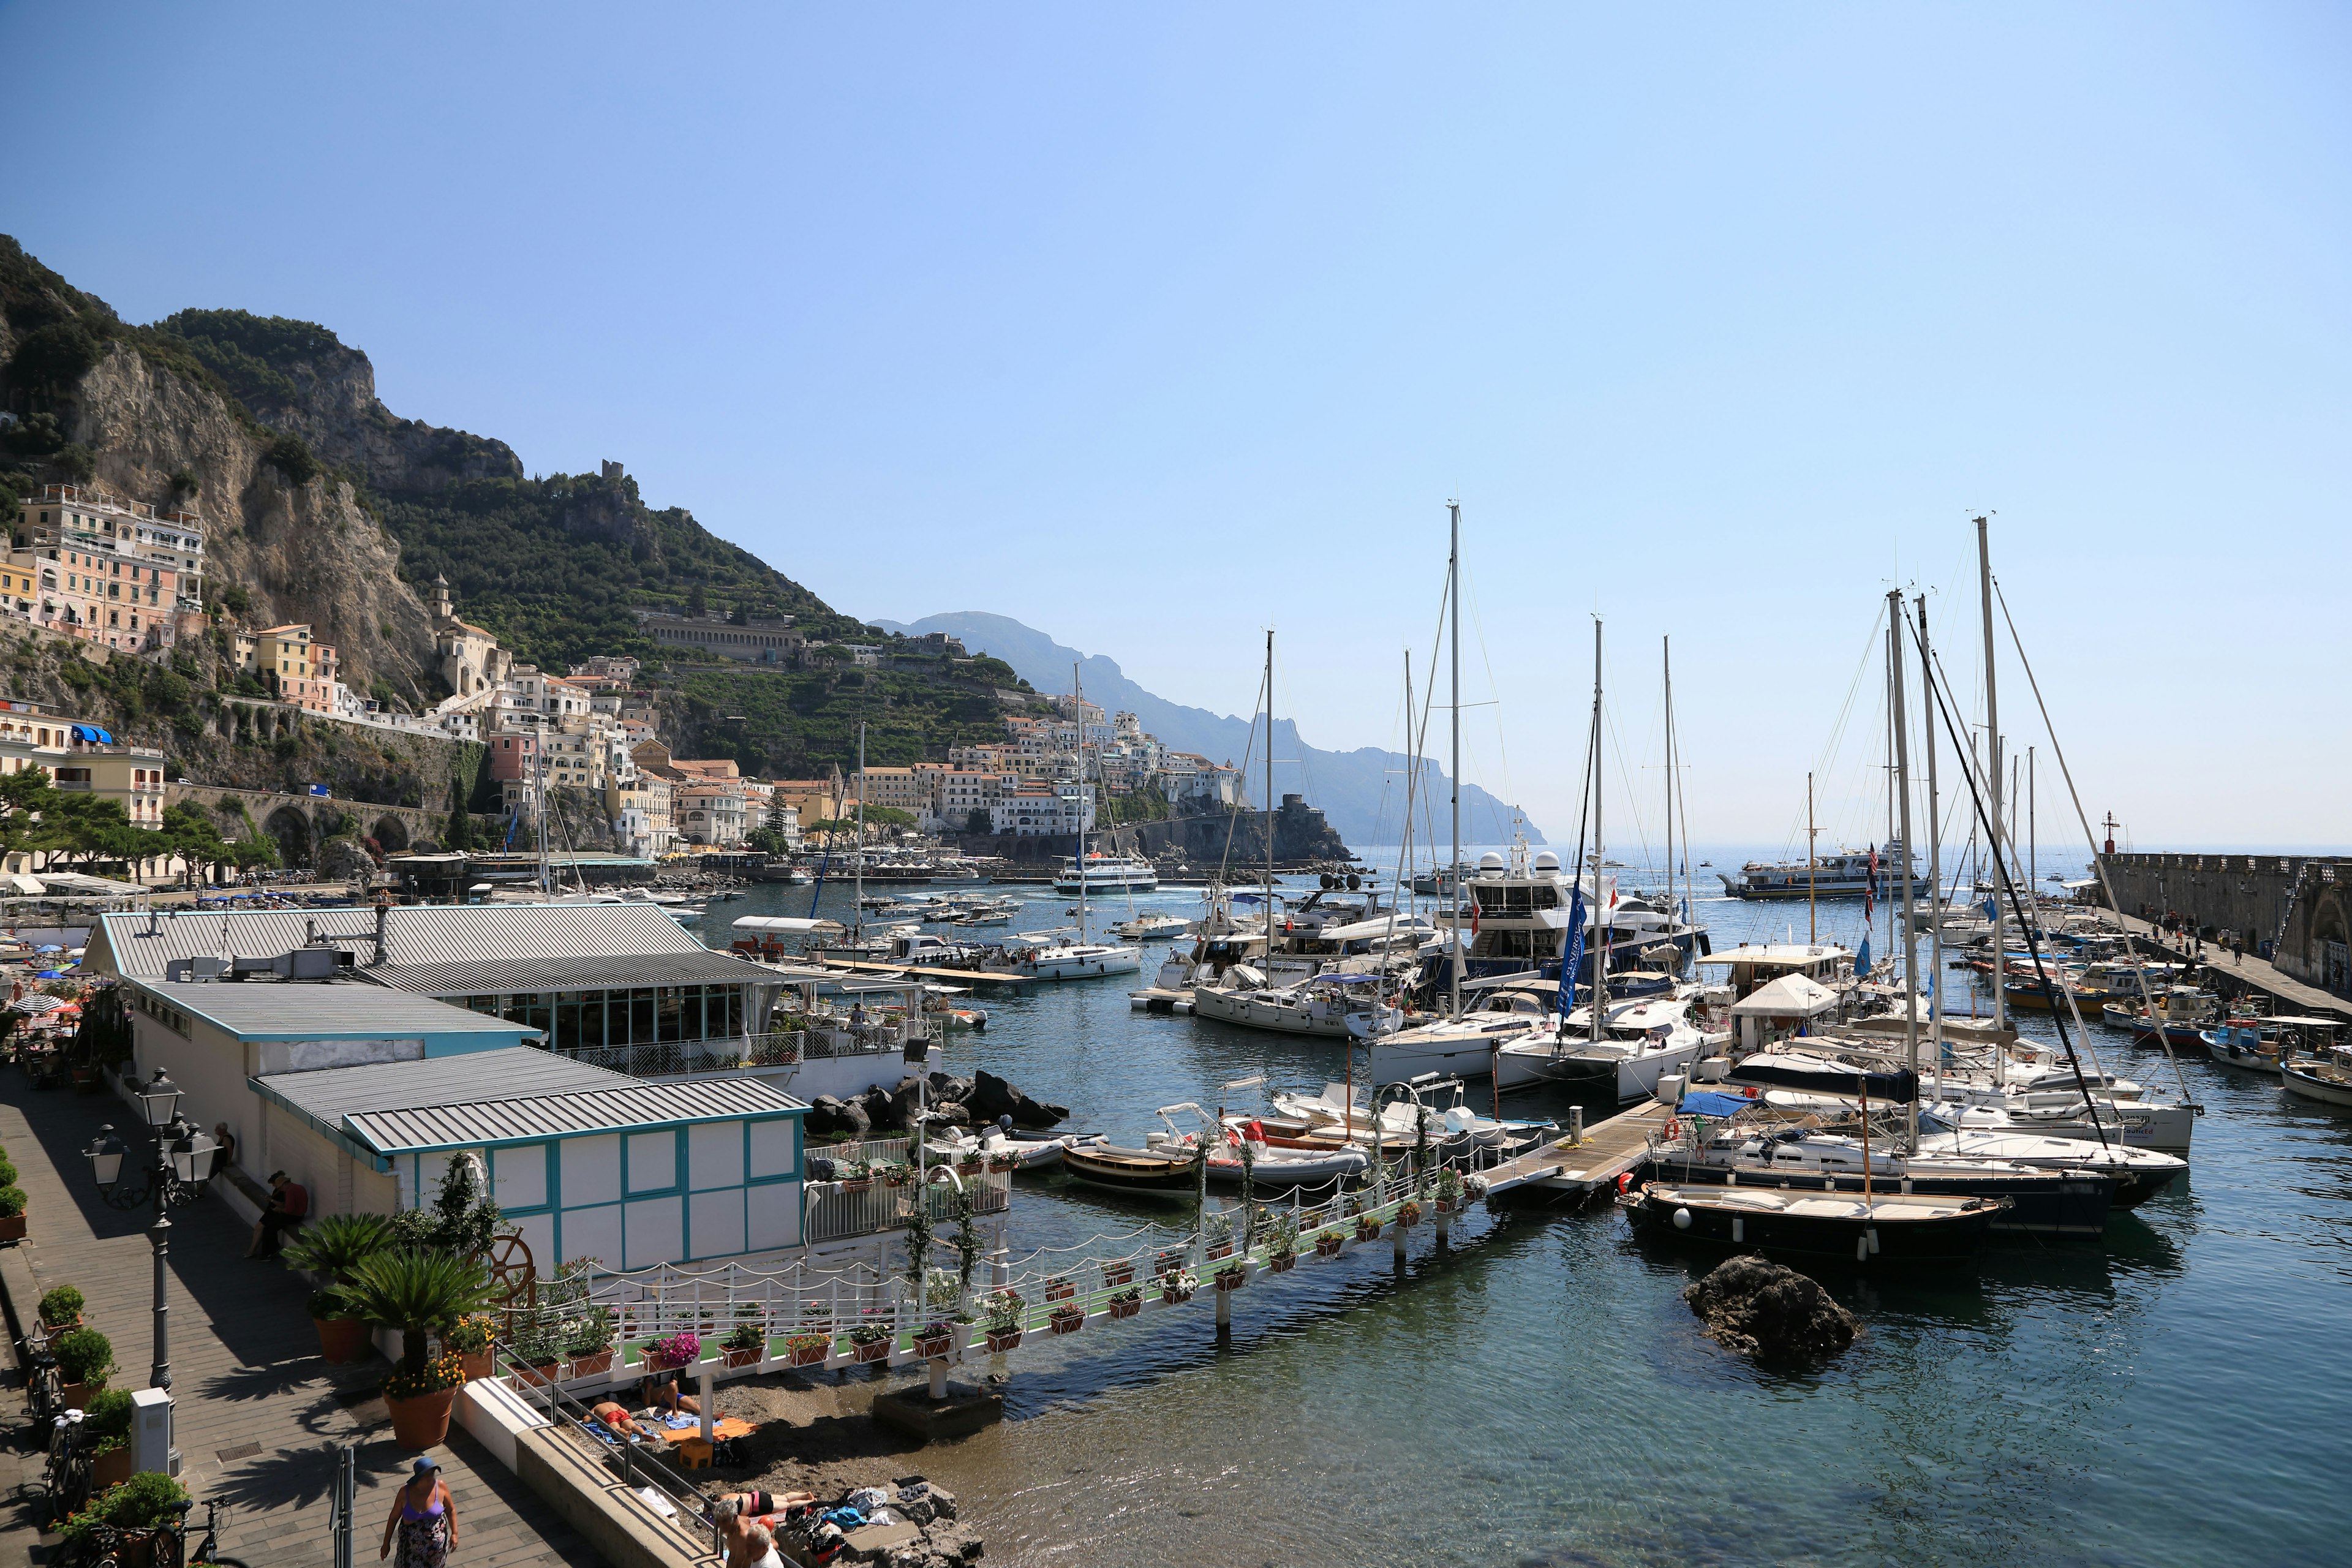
column 469, row 1339
column 674, row 1351
column 1328, row 1243
column 1408, row 1213
column 61, row 1309
column 895, row 1173
column 1178, row 1285
column 1002, row 1320
column 1060, row 1287
column 869, row 1339
column 84, row 1358
column 1121, row 1273
column 106, row 1425
column 343, row 1332
column 1367, row 1227
column 855, row 1176
column 1067, row 1318
column 935, row 1339
column 743, row 1345
column 808, row 1349
column 136, row 1508
column 1449, row 1189
column 1232, row 1276
column 1128, row 1303
column 417, row 1290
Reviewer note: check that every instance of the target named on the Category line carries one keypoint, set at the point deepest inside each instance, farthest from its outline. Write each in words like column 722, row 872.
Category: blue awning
column 1706, row 1102
column 93, row 733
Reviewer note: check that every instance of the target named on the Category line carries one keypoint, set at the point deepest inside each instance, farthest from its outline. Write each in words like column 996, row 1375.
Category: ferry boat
column 1106, row 874
column 1845, row 875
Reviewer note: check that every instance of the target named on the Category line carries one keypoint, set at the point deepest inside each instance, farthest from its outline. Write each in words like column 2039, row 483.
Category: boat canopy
column 1707, row 1102
column 1810, row 1074
column 1790, row 996
column 783, row 923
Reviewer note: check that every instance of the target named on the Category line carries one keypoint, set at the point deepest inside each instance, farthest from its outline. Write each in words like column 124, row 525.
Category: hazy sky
column 1153, row 327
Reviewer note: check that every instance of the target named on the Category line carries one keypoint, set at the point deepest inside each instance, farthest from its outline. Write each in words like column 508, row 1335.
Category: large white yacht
column 1517, row 912
column 1106, row 874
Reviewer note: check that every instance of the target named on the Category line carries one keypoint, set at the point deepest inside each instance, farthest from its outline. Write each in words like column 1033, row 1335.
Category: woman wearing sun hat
column 425, row 1517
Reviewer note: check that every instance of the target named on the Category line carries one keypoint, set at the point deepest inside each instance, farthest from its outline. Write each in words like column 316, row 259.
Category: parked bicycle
column 42, row 1386
column 100, row 1546
column 169, row 1548
column 67, row 1478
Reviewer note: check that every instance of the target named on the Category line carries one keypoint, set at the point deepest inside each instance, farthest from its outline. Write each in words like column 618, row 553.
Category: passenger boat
column 1848, row 874
column 1106, row 874
column 1880, row 1230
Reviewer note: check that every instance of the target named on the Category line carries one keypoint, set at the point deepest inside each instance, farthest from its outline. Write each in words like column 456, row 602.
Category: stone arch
column 291, row 828
column 391, row 834
column 2330, row 923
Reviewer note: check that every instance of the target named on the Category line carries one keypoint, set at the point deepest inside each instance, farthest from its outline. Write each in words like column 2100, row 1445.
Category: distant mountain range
column 1361, row 792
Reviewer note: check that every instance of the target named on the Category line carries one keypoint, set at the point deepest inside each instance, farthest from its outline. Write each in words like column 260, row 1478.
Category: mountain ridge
column 1361, row 790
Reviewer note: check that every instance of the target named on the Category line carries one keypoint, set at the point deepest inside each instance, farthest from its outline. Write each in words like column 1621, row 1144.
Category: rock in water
column 992, row 1096
column 829, row 1116
column 1770, row 1312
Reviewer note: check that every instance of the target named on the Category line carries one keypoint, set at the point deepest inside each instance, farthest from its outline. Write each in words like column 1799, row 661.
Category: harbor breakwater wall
column 2301, row 905
column 1300, row 832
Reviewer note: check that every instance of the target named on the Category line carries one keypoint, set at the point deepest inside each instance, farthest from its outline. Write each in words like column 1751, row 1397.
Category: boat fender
column 1682, row 1219
column 1625, row 1180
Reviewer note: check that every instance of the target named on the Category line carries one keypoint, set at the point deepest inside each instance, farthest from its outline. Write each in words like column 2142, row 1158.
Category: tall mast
column 858, row 927
column 2032, row 829
column 1269, row 799
column 1453, row 867
column 1935, row 844
column 1600, row 856
column 1812, row 881
column 1992, row 774
column 1902, row 793
column 1079, row 712
column 1666, row 655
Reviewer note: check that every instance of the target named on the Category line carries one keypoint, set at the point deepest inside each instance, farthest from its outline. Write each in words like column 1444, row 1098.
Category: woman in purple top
column 425, row 1517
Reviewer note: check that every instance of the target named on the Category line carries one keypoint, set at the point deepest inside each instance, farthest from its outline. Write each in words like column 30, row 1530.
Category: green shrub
column 84, row 1356
column 7, row 1173
column 61, row 1305
column 12, row 1202
column 327, row 1305
column 147, row 1499
column 109, row 1415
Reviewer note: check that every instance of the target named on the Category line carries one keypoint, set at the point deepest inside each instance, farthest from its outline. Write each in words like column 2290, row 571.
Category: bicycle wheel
column 167, row 1549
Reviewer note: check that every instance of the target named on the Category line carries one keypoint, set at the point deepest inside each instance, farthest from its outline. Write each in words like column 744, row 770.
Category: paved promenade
column 258, row 1414
column 2295, row 995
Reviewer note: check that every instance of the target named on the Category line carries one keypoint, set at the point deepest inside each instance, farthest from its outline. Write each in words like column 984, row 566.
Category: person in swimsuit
column 618, row 1419
column 662, row 1395
column 425, row 1519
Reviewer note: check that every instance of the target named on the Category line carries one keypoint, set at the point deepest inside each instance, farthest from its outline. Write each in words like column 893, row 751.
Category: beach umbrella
column 49, row 974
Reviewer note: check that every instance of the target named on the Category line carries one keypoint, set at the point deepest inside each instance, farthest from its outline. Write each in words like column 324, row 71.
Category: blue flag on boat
column 1574, row 957
column 1861, row 956
column 1992, row 911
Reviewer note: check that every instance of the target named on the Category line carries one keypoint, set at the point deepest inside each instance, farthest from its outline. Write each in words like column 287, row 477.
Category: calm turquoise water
column 1541, row 1396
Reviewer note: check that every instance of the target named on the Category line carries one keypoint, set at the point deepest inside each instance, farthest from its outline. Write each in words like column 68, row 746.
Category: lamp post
column 182, row 1151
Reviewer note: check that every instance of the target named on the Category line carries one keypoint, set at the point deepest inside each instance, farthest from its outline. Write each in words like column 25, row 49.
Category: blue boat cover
column 1706, row 1102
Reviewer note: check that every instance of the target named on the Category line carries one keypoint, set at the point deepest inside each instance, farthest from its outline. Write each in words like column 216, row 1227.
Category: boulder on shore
column 992, row 1097
column 1770, row 1312
column 831, row 1118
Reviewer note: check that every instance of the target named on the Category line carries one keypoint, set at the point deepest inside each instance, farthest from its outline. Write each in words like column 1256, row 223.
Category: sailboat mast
column 1936, row 901
column 1269, row 799
column 859, row 926
column 1453, row 867
column 1992, row 775
column 1079, row 713
column 2032, row 829
column 1902, row 793
column 1666, row 655
column 1599, row 857
column 1812, row 880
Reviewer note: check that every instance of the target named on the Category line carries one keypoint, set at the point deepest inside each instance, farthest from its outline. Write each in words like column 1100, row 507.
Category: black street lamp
column 181, row 1156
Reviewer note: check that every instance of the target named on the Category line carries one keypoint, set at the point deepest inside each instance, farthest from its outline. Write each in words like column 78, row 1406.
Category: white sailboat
column 1066, row 954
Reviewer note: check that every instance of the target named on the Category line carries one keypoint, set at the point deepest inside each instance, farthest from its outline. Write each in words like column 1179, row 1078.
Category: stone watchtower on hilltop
column 472, row 662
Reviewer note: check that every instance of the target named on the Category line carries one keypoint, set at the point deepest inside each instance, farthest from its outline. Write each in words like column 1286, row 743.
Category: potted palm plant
column 1002, row 1320
column 85, row 1360
column 343, row 1332
column 1128, row 1303
column 418, row 1290
column 744, row 1343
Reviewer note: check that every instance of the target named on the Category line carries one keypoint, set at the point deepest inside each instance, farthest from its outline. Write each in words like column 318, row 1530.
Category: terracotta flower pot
column 110, row 1468
column 1005, row 1340
column 1175, row 1297
column 77, row 1396
column 857, row 1186
column 1367, row 1231
column 422, row 1422
column 741, row 1357
column 593, row 1365
column 1061, row 1292
column 476, row 1363
column 1232, row 1281
column 870, row 1349
column 1068, row 1322
column 1329, row 1248
column 1118, row 1274
column 1126, row 1308
column 1282, row 1263
column 545, row 1372
column 935, row 1347
column 12, row 1228
column 1220, row 1249
column 341, row 1341
column 810, row 1355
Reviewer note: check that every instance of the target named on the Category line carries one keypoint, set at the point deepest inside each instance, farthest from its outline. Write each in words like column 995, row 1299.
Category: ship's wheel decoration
column 514, row 1276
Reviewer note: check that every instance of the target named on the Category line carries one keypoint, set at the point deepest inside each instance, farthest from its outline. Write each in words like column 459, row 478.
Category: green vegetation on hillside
column 793, row 722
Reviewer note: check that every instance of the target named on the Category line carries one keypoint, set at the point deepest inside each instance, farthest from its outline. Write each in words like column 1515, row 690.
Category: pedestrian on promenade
column 424, row 1517
column 290, row 1200
column 223, row 1149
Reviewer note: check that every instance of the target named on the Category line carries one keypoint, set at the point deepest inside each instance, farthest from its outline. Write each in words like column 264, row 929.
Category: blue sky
column 1154, row 328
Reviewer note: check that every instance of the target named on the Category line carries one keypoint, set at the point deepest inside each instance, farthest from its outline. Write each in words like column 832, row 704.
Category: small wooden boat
column 1145, row 1173
column 2325, row 1074
column 1881, row 1231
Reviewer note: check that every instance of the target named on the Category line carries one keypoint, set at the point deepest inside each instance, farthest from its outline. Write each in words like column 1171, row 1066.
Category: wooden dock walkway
column 1606, row 1151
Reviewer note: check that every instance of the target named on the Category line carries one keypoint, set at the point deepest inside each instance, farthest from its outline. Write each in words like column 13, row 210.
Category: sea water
column 1539, row 1394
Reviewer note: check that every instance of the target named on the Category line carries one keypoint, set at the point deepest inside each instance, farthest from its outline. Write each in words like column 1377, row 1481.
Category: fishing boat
column 2183, row 1013
column 1168, row 1166
column 2323, row 1076
column 1847, row 874
column 1877, row 1230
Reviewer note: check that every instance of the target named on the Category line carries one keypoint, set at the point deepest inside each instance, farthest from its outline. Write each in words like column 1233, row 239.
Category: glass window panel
column 641, row 1016
column 591, row 1019
column 666, row 1021
column 567, row 1021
